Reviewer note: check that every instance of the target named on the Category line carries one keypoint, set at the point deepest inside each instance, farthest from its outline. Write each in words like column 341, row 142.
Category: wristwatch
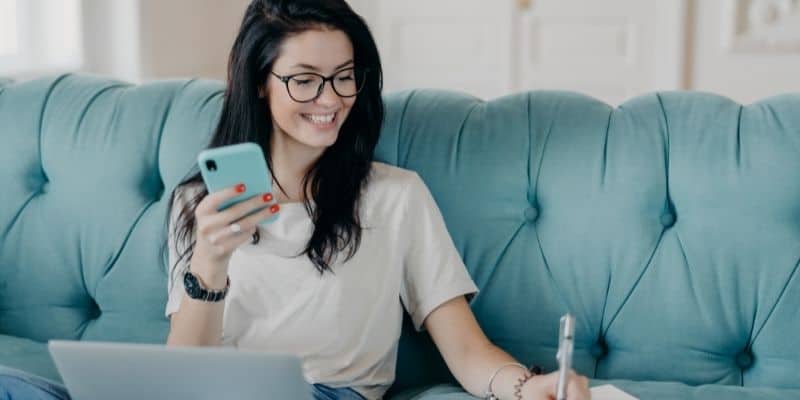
column 196, row 290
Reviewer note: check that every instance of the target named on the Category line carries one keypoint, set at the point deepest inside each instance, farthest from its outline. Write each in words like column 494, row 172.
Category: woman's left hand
column 543, row 387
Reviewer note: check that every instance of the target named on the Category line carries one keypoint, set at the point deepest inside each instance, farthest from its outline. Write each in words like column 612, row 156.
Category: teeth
column 321, row 119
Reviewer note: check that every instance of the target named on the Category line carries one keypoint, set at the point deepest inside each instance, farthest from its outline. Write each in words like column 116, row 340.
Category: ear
column 262, row 91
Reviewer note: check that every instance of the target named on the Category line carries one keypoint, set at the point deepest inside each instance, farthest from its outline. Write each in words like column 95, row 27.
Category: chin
column 321, row 140
column 319, row 144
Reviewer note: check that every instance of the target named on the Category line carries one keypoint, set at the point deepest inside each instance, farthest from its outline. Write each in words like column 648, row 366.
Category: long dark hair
column 336, row 180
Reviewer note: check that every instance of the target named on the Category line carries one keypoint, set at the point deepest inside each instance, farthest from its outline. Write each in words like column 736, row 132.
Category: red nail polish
column 274, row 208
column 267, row 198
column 240, row 188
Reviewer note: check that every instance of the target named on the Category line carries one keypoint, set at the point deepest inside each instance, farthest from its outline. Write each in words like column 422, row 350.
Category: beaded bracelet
column 529, row 373
column 533, row 371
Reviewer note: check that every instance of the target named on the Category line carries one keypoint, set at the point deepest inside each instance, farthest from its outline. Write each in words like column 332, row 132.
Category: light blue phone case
column 227, row 166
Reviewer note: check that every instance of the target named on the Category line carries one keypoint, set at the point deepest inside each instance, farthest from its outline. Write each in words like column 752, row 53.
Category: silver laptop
column 102, row 371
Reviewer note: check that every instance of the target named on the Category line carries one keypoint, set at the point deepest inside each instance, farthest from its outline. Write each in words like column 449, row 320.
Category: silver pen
column 566, row 342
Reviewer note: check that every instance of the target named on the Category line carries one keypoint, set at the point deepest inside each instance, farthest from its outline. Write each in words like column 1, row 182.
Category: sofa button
column 531, row 214
column 599, row 350
column 744, row 359
column 668, row 219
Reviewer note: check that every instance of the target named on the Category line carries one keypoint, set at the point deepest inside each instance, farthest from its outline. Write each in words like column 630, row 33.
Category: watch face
column 191, row 284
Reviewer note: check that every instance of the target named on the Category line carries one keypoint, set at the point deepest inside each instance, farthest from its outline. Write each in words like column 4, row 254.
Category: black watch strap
column 196, row 290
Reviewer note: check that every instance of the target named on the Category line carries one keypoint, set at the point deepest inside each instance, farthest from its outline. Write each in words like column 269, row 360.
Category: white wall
column 111, row 43
column 738, row 48
column 143, row 40
column 188, row 37
column 8, row 27
column 365, row 8
column 748, row 62
column 743, row 49
column 46, row 37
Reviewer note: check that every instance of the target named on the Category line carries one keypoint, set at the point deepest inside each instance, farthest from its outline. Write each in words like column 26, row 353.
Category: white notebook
column 610, row 392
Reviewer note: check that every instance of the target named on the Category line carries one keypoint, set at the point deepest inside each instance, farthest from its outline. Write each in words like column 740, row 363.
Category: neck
column 291, row 161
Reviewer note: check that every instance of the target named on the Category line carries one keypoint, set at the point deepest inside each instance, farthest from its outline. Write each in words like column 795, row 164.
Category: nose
column 328, row 97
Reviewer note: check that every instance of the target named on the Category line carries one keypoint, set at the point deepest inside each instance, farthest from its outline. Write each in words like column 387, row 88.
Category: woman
column 351, row 236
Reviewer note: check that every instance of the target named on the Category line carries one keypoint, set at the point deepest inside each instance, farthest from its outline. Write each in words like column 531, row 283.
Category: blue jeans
column 18, row 385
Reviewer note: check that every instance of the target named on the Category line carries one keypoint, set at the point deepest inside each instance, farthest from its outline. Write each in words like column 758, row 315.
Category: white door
column 463, row 45
column 611, row 49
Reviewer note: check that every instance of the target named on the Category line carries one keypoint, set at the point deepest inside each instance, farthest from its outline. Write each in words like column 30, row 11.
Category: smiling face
column 313, row 125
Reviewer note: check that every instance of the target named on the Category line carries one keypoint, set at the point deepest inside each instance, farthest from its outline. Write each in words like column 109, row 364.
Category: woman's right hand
column 543, row 387
column 219, row 233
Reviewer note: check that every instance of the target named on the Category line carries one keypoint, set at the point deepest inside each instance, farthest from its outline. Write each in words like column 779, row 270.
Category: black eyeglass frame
column 286, row 78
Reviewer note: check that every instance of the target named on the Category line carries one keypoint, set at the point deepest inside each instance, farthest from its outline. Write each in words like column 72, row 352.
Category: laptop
column 122, row 371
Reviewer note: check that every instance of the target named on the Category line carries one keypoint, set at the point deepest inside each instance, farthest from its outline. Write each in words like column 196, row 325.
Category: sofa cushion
column 28, row 355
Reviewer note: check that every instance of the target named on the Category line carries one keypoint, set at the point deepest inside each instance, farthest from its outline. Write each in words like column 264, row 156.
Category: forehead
column 323, row 49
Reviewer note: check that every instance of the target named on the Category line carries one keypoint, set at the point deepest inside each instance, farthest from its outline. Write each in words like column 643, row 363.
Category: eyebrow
column 313, row 68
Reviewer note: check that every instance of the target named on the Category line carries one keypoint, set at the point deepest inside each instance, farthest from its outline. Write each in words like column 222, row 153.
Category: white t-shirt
column 344, row 325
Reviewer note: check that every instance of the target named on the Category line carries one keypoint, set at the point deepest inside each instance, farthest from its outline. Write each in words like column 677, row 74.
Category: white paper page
column 610, row 392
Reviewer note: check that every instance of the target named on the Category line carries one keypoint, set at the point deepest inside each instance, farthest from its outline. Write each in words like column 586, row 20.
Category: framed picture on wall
column 752, row 26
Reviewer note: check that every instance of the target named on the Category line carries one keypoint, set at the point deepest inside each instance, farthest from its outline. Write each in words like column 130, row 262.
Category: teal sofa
column 670, row 226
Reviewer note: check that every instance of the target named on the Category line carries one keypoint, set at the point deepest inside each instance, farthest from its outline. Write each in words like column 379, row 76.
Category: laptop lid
column 121, row 371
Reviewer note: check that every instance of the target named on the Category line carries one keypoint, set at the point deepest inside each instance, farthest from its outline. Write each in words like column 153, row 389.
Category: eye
column 302, row 82
column 346, row 75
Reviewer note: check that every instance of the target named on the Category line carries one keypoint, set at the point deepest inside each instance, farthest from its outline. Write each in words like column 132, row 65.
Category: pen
column 566, row 335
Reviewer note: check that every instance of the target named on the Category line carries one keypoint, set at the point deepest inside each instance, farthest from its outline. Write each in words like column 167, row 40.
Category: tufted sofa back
column 86, row 168
column 669, row 226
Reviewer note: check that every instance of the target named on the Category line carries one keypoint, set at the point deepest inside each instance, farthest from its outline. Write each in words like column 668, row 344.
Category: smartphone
column 226, row 166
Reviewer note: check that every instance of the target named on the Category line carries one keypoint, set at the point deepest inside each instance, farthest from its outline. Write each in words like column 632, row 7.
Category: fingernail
column 267, row 198
column 274, row 208
column 240, row 188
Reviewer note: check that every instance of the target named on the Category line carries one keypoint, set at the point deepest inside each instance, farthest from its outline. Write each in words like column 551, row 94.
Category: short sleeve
column 175, row 288
column 433, row 272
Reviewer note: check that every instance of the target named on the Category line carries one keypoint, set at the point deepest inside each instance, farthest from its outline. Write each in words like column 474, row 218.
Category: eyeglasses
column 306, row 87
